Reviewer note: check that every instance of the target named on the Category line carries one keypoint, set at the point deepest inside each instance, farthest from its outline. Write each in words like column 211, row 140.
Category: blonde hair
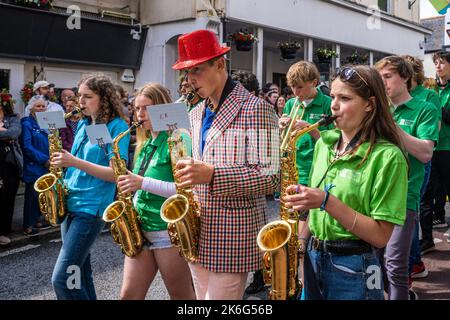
column 159, row 95
column 400, row 65
column 302, row 71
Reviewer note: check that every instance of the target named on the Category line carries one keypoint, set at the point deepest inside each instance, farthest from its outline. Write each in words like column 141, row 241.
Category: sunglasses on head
column 348, row 72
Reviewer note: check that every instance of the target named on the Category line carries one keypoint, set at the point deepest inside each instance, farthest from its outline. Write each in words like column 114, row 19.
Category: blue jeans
column 72, row 275
column 334, row 277
column 414, row 255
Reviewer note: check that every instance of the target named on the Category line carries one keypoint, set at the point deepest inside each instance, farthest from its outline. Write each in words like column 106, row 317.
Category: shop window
column 384, row 5
column 4, row 79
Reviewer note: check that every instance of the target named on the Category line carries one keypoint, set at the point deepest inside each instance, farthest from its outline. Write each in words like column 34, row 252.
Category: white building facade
column 342, row 25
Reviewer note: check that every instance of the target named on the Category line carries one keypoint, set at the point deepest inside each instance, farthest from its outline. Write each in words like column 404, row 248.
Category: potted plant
column 27, row 92
column 6, row 98
column 41, row 4
column 289, row 49
column 357, row 58
column 324, row 55
column 243, row 40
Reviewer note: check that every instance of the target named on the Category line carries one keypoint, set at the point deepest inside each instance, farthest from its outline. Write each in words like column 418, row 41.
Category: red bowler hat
column 197, row 47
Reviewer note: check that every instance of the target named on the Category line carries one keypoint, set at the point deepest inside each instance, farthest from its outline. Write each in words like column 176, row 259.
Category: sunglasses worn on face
column 347, row 73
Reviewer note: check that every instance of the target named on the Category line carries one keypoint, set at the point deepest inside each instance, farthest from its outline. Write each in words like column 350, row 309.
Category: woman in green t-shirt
column 358, row 188
column 152, row 178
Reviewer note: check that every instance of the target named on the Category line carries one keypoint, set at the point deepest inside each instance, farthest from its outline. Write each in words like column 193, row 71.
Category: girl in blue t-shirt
column 91, row 184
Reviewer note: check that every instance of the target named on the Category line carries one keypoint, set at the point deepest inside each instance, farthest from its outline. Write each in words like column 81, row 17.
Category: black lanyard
column 352, row 144
column 146, row 161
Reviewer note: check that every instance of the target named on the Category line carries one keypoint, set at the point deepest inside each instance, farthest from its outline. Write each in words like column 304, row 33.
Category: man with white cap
column 42, row 88
column 235, row 142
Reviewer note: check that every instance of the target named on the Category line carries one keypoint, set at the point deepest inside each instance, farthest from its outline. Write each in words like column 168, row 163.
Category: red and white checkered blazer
column 243, row 145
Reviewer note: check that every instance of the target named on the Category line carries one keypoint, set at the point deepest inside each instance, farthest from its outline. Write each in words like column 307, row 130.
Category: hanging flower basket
column 39, row 4
column 6, row 99
column 244, row 40
column 289, row 49
column 357, row 58
column 27, row 92
column 324, row 55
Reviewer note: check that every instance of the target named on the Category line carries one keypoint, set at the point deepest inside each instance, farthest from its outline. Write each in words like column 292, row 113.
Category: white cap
column 40, row 84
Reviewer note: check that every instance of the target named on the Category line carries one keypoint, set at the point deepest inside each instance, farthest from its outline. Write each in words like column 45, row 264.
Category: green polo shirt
column 376, row 189
column 419, row 119
column 305, row 145
column 148, row 205
column 444, row 134
column 424, row 94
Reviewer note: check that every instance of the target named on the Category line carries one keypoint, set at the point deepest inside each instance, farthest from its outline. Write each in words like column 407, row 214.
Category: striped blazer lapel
column 227, row 112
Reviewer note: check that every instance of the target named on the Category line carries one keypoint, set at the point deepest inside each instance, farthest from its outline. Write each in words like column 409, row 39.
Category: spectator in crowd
column 42, row 89
column 248, row 81
column 123, row 97
column 272, row 97
column 66, row 94
column 287, row 93
column 34, row 142
column 67, row 134
column 10, row 164
column 279, row 105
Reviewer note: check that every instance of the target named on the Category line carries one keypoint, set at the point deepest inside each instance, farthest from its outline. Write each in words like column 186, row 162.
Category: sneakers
column 439, row 223
column 426, row 247
column 418, row 271
column 4, row 240
column 31, row 232
column 413, row 295
column 257, row 284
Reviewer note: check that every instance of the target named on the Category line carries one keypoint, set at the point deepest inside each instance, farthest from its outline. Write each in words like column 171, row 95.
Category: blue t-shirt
column 87, row 193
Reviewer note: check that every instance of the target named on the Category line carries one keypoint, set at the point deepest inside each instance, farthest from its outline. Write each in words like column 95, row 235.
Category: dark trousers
column 439, row 183
column 8, row 192
column 31, row 211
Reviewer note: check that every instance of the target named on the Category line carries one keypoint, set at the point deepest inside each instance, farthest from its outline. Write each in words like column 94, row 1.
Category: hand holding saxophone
column 191, row 172
column 301, row 198
column 63, row 159
column 284, row 121
column 129, row 182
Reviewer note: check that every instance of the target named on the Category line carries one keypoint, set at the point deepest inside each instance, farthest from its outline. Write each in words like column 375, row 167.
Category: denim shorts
column 157, row 240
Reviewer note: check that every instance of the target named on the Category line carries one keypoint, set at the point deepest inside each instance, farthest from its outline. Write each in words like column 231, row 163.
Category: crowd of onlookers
column 24, row 150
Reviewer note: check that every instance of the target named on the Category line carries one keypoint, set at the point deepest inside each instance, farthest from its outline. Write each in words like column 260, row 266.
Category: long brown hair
column 159, row 95
column 378, row 123
column 110, row 105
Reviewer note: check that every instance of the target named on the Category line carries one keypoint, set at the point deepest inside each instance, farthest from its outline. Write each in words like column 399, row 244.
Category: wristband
column 328, row 187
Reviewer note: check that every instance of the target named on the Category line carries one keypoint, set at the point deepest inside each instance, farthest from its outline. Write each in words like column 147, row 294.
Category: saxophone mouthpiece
column 326, row 120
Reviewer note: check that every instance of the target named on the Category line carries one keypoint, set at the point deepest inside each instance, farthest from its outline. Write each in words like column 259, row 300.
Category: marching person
column 152, row 178
column 417, row 125
column 91, row 183
column 230, row 178
column 356, row 194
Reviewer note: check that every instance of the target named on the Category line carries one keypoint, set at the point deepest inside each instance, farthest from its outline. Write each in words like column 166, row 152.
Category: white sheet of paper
column 169, row 116
column 47, row 118
column 98, row 132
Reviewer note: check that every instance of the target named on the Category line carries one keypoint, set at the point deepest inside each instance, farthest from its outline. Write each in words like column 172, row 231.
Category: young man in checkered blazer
column 235, row 141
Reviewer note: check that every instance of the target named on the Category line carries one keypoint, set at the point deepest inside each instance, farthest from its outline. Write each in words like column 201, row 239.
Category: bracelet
column 354, row 223
column 328, row 187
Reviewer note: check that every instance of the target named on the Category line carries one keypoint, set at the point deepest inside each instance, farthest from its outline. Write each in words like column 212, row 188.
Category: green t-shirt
column 444, row 134
column 305, row 144
column 376, row 189
column 419, row 119
column 424, row 94
column 148, row 205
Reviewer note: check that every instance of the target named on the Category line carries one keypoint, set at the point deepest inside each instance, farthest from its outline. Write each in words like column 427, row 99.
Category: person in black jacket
column 10, row 169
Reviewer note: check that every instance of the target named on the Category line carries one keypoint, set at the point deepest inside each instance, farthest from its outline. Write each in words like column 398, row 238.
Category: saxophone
column 121, row 213
column 51, row 187
column 279, row 239
column 181, row 211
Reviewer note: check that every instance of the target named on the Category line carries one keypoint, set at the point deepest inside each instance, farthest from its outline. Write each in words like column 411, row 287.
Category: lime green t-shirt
column 376, row 189
column 148, row 205
column 305, row 144
column 444, row 134
column 419, row 119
